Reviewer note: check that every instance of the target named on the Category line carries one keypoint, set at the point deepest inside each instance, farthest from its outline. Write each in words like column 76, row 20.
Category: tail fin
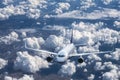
column 71, row 40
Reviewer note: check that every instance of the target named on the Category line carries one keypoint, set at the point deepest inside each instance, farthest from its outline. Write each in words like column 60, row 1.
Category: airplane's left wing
column 83, row 54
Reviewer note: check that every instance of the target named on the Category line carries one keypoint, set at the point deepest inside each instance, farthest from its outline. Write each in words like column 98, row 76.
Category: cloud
column 83, row 37
column 23, row 34
column 68, row 69
column 82, row 65
column 94, row 57
column 107, row 35
column 88, row 49
column 98, row 66
column 105, row 66
column 10, row 38
column 93, row 33
column 86, row 4
column 106, row 2
column 110, row 65
column 37, row 43
column 117, row 24
column 10, row 10
column 85, row 26
column 33, row 13
column 91, row 77
column 37, row 8
column 3, row 63
column 114, row 55
column 28, row 63
column 36, row 2
column 32, row 43
column 28, row 30
column 54, row 41
column 112, row 75
column 25, row 77
column 62, row 6
column 30, row 8
column 5, row 2
column 105, row 13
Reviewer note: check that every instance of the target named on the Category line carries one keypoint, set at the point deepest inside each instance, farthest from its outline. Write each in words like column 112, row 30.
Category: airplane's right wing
column 42, row 51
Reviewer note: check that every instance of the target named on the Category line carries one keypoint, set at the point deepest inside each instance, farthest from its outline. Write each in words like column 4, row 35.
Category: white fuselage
column 64, row 53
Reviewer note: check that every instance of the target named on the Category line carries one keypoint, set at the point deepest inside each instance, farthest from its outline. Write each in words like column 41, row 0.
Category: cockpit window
column 61, row 56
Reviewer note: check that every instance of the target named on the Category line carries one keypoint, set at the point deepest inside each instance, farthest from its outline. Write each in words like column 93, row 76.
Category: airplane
column 65, row 53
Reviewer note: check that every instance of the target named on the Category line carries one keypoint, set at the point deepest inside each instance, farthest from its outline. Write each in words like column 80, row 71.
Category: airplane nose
column 60, row 59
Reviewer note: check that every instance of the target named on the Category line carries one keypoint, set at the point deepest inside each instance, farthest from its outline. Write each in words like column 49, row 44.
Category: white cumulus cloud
column 107, row 36
column 68, row 69
column 91, row 77
column 114, row 55
column 106, row 2
column 117, row 24
column 62, row 7
column 86, row 4
column 13, row 36
column 25, row 77
column 29, row 8
column 28, row 63
column 3, row 63
column 112, row 75
column 54, row 41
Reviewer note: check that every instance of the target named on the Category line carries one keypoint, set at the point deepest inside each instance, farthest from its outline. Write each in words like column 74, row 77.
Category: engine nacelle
column 80, row 60
column 49, row 59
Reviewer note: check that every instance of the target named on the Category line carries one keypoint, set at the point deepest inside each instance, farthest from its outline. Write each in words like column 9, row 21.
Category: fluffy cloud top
column 105, row 66
column 87, row 4
column 107, row 35
column 25, row 77
column 33, row 13
column 13, row 36
column 62, row 7
column 117, row 24
column 3, row 63
column 68, row 69
column 96, row 14
column 88, row 49
column 36, row 2
column 82, row 37
column 28, row 63
column 81, row 26
column 112, row 75
column 115, row 55
column 37, row 8
column 106, row 2
column 91, row 77
column 94, row 57
column 34, row 42
column 54, row 41
column 92, row 33
column 30, row 8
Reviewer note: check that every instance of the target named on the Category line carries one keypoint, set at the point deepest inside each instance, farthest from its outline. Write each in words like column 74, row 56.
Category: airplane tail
column 71, row 40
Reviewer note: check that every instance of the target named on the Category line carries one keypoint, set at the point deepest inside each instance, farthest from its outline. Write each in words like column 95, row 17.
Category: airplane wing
column 42, row 51
column 83, row 54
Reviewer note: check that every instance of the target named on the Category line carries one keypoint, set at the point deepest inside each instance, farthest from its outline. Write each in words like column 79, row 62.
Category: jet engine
column 49, row 59
column 80, row 60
